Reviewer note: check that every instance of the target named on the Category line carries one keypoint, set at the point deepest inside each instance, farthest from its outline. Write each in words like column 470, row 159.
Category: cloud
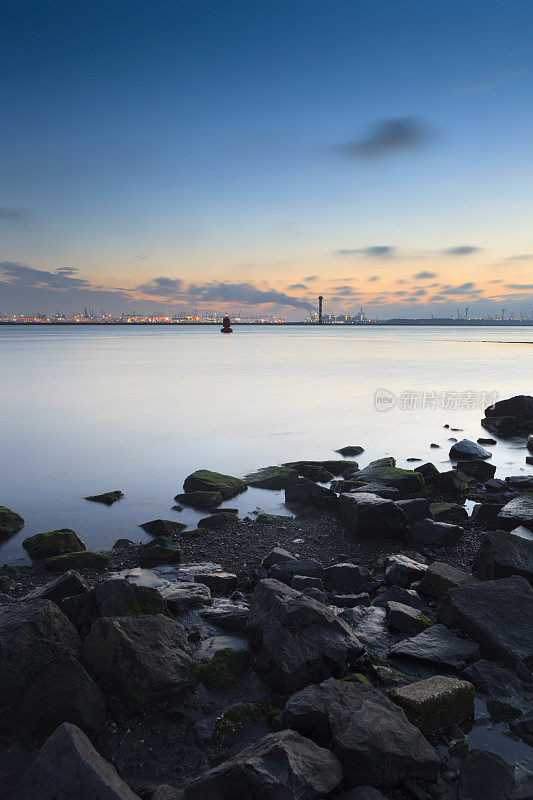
column 294, row 286
column 389, row 136
column 8, row 214
column 376, row 251
column 162, row 287
column 464, row 288
column 346, row 291
column 421, row 276
column 60, row 279
column 463, row 250
column 311, row 278
column 519, row 286
column 245, row 293
column 420, row 292
column 490, row 83
column 374, row 278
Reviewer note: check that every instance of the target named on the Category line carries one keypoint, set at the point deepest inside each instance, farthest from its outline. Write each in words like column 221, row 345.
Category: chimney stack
column 320, row 310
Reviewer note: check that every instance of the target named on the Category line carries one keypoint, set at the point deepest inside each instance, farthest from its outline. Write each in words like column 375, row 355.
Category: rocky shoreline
column 378, row 644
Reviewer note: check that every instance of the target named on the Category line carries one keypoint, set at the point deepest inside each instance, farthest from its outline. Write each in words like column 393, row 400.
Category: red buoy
column 226, row 325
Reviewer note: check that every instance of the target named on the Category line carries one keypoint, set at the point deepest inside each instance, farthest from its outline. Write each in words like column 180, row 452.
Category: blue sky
column 171, row 154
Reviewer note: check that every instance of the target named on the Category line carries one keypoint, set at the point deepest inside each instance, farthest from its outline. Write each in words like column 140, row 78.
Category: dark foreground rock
column 428, row 533
column 298, row 639
column 371, row 736
column 518, row 511
column 368, row 516
column 503, row 554
column 496, row 614
column 68, row 767
column 436, row 703
column 466, row 450
column 492, row 679
column 281, row 766
column 10, row 522
column 437, row 645
column 53, row 543
column 487, row 776
column 140, row 659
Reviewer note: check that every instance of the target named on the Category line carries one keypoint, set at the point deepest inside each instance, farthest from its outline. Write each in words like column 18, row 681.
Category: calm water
column 86, row 410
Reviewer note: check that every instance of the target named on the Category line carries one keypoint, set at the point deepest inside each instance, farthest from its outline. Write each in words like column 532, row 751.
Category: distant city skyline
column 252, row 155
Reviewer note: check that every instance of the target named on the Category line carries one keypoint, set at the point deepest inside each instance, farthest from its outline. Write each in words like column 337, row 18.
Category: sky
column 249, row 155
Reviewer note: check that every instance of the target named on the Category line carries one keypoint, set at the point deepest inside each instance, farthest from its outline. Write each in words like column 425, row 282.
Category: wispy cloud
column 425, row 275
column 462, row 250
column 13, row 214
column 374, row 278
column 295, row 286
column 375, row 251
column 387, row 137
column 61, row 278
column 490, row 83
column 162, row 287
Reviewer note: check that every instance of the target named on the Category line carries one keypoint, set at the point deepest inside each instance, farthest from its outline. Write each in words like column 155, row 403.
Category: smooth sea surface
column 86, row 410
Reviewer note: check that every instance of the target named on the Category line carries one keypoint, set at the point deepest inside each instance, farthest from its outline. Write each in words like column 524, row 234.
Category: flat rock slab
column 403, row 571
column 503, row 554
column 428, row 533
column 369, row 625
column 492, row 679
column 437, row 645
column 487, row 776
column 518, row 511
column 440, row 578
column 298, row 640
column 496, row 614
column 371, row 736
column 271, row 478
column 368, row 516
column 436, row 703
column 405, row 619
column 281, row 766
column 68, row 766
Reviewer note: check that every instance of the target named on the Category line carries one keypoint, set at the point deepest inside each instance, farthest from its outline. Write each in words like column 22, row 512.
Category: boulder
column 503, row 554
column 160, row 550
column 203, row 480
column 451, row 482
column 82, row 610
column 298, row 640
column 406, row 596
column 501, row 426
column 115, row 597
column 335, row 467
column 492, row 679
column 60, row 692
column 33, row 634
column 141, row 659
column 478, row 469
column 487, row 776
column 230, row 618
column 436, row 703
column 86, row 559
column 276, row 556
column 518, row 511
column 405, row 619
column 10, row 522
column 523, row 727
column 353, row 487
column 437, row 645
column 452, row 513
column 307, row 493
column 345, row 577
column 440, row 577
column 303, row 582
column 467, row 450
column 496, row 614
column 200, row 500
column 182, row 595
column 271, row 477
column 314, row 472
column 403, row 571
column 68, row 766
column 66, row 585
column 219, row 583
column 224, row 669
column 371, row 517
column 428, row 533
column 414, row 509
column 162, row 527
column 486, row 515
column 221, row 520
column 281, row 766
column 369, row 625
column 286, row 570
column 107, row 498
column 408, row 482
column 520, row 483
column 53, row 543
column 351, row 450
column 350, row 600
column 519, row 406
column 373, row 739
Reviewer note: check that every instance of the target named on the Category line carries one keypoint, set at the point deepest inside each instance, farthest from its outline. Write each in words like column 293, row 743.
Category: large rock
column 501, row 426
column 53, row 543
column 477, row 468
column 286, row 570
column 345, row 577
column 428, row 533
column 10, row 522
column 408, row 482
column 437, row 645
column 281, row 766
column 107, row 498
column 406, row 619
column 141, row 659
column 61, row 692
column 371, row 736
column 163, row 527
column 520, row 406
column 449, row 512
column 33, row 634
column 66, row 585
column 307, row 493
column 201, row 500
column 67, row 767
column 298, row 639
column 369, row 626
column 503, row 554
column 271, row 477
column 87, row 559
column 203, row 480
column 406, row 596
column 518, row 511
column 403, row 571
column 436, row 703
column 496, row 614
column 160, row 550
column 487, row 776
column 371, row 517
column 440, row 578
column 415, row 508
column 466, row 450
column 492, row 679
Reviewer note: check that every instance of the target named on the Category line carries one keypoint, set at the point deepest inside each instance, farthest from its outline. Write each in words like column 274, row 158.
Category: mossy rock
column 159, row 551
column 201, row 500
column 335, row 467
column 272, row 478
column 224, row 668
column 357, row 677
column 272, row 519
column 53, row 543
column 108, row 498
column 10, row 522
column 203, row 480
column 221, row 520
column 6, row 584
column 388, row 676
column 408, row 482
column 163, row 527
column 150, row 600
column 452, row 513
column 87, row 559
column 239, row 716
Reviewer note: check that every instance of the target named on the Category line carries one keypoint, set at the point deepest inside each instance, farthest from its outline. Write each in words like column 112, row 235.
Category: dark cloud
column 245, row 293
column 162, row 287
column 376, row 251
column 60, row 279
column 421, row 276
column 400, row 293
column 464, row 288
column 294, row 286
column 420, row 292
column 346, row 291
column 374, row 278
column 389, row 136
column 7, row 214
column 311, row 278
column 463, row 250
column 519, row 286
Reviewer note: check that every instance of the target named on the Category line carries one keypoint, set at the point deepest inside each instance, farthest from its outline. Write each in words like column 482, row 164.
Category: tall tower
column 320, row 310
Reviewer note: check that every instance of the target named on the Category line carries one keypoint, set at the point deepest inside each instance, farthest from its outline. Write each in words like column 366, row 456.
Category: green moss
column 238, row 716
column 357, row 677
column 224, row 668
column 439, row 712
column 203, row 480
column 202, row 500
column 159, row 551
column 388, row 676
column 10, row 522
column 84, row 560
column 53, row 543
column 150, row 601
column 162, row 527
column 272, row 519
column 108, row 498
